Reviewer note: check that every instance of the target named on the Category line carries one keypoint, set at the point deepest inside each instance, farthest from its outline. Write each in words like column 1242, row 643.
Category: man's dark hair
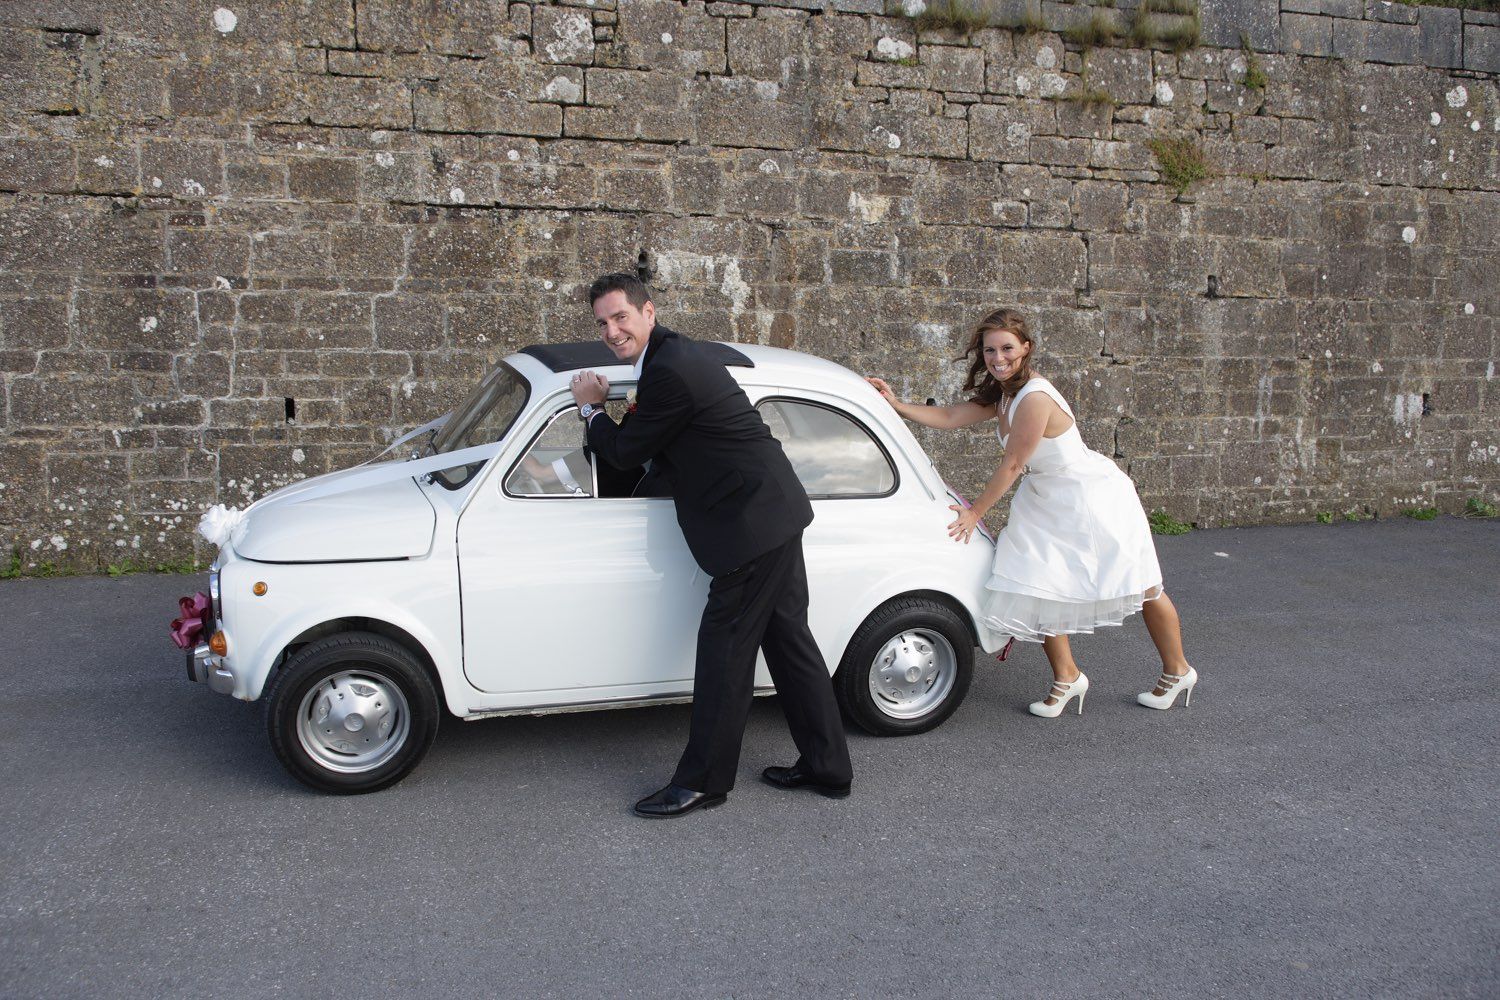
column 633, row 287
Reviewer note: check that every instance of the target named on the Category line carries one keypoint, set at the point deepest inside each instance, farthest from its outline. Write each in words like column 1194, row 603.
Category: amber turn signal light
column 259, row 590
column 219, row 644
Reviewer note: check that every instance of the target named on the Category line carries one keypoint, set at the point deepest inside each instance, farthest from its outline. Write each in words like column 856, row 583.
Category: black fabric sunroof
column 593, row 354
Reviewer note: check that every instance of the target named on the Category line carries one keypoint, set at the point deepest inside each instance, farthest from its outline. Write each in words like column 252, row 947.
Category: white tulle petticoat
column 1031, row 618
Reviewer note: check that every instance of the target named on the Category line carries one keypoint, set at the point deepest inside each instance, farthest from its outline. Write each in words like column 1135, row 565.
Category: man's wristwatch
column 588, row 410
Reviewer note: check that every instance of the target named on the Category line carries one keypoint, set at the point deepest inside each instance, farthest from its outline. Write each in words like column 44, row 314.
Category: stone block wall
column 247, row 243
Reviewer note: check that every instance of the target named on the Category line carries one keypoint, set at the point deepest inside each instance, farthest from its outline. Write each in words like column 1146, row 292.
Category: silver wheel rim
column 913, row 673
column 353, row 721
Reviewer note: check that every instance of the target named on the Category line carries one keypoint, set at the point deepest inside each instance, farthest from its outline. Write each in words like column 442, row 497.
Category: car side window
column 555, row 465
column 832, row 453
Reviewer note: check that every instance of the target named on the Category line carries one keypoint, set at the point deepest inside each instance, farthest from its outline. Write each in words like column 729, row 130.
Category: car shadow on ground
column 222, row 741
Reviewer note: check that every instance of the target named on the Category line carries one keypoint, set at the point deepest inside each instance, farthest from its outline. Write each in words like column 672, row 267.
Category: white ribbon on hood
column 219, row 523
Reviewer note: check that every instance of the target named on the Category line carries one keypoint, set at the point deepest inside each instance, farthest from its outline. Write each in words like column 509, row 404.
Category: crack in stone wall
column 347, row 210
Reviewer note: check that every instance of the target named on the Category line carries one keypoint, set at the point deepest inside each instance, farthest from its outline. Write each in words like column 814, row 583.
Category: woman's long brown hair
column 987, row 391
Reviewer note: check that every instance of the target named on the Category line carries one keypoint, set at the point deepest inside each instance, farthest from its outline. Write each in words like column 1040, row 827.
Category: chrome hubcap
column 913, row 673
column 353, row 721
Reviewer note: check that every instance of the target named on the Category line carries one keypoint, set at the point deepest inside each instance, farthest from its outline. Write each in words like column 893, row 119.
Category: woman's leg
column 1060, row 654
column 1166, row 632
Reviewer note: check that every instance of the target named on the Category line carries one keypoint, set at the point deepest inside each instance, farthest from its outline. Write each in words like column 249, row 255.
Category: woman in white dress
column 1076, row 553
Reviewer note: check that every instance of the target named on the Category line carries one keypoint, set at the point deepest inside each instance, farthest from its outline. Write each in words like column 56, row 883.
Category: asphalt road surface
column 1321, row 822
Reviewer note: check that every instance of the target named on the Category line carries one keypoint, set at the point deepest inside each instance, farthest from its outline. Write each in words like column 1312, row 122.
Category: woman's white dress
column 1076, row 552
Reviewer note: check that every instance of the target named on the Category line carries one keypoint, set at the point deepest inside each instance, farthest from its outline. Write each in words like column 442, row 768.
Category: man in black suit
column 742, row 511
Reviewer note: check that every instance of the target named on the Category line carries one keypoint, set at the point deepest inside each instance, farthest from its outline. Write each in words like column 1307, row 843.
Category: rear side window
column 832, row 453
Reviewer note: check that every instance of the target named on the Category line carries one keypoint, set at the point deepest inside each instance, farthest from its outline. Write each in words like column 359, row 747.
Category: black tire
column 924, row 622
column 375, row 674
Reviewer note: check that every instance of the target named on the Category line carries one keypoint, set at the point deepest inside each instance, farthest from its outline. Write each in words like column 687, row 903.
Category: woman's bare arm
column 942, row 417
column 1026, row 432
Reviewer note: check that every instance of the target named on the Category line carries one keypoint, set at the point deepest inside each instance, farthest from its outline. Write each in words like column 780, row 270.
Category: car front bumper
column 204, row 667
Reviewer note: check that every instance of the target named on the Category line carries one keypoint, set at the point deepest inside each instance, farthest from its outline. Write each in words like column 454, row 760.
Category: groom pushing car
column 742, row 511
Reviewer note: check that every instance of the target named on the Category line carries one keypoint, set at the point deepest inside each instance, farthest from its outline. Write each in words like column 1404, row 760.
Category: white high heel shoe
column 1064, row 693
column 1172, row 685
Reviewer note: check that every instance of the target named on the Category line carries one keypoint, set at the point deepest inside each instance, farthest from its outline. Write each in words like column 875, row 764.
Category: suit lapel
column 658, row 334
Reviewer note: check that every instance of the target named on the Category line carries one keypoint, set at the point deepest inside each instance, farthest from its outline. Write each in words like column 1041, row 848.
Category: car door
column 571, row 597
column 851, row 480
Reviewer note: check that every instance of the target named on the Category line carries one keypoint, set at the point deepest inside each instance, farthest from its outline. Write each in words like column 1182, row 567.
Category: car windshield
column 487, row 414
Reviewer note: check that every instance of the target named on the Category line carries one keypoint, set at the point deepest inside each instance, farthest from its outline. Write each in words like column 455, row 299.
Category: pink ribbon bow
column 187, row 630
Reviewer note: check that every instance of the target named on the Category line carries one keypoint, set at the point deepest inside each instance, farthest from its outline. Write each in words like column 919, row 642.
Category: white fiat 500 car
column 459, row 568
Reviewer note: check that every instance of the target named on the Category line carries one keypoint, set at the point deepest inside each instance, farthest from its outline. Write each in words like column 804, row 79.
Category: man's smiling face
column 624, row 329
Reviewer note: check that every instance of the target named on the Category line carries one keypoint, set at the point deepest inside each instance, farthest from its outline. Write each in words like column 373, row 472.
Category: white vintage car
column 460, row 567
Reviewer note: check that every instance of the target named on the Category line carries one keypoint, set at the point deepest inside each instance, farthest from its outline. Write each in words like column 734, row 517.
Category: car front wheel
column 907, row 668
column 352, row 712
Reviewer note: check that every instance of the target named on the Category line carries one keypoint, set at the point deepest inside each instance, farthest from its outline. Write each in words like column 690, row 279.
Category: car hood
column 373, row 511
column 340, row 517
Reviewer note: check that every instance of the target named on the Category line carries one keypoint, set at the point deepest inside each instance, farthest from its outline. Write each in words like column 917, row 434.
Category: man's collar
column 657, row 332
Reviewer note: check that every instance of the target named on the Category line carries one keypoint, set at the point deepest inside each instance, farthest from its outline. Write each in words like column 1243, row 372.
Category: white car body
column 528, row 605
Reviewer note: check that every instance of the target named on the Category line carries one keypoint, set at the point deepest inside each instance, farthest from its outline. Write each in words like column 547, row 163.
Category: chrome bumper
column 203, row 666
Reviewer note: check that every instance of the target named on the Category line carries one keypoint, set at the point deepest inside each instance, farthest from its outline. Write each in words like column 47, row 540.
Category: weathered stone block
column 256, row 178
column 1124, row 74
column 767, row 49
column 200, row 251
column 462, row 107
column 143, row 319
column 36, row 164
column 186, row 170
column 355, row 102
column 203, row 374
column 1000, row 132
column 289, row 253
column 474, row 250
column 730, row 117
column 1225, row 20
column 696, row 185
column 1389, row 10
column 1250, row 268
column 955, row 69
column 562, row 35
column 1084, row 119
column 457, row 28
column 1482, row 48
column 1060, row 151
column 71, row 402
column 1120, row 156
column 1095, row 205
column 409, row 324
column 633, row 190
column 668, row 36
column 33, row 324
column 1307, row 34
column 324, row 178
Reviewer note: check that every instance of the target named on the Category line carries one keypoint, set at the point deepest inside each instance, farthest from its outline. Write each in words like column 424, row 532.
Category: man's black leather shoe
column 795, row 777
column 674, row 800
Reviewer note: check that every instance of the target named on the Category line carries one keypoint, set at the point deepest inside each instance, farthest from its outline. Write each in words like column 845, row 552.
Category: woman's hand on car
column 883, row 388
column 962, row 528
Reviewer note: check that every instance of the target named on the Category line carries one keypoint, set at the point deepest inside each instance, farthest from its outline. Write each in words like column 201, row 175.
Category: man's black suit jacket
column 737, row 496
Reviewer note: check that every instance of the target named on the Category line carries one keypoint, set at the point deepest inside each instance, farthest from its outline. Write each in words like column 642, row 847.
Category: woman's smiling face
column 1003, row 352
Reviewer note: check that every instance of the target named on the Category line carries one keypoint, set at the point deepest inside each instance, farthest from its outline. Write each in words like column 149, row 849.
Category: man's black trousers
column 761, row 605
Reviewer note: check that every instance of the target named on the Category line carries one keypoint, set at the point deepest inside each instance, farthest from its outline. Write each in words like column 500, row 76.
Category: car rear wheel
column 907, row 668
column 353, row 712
